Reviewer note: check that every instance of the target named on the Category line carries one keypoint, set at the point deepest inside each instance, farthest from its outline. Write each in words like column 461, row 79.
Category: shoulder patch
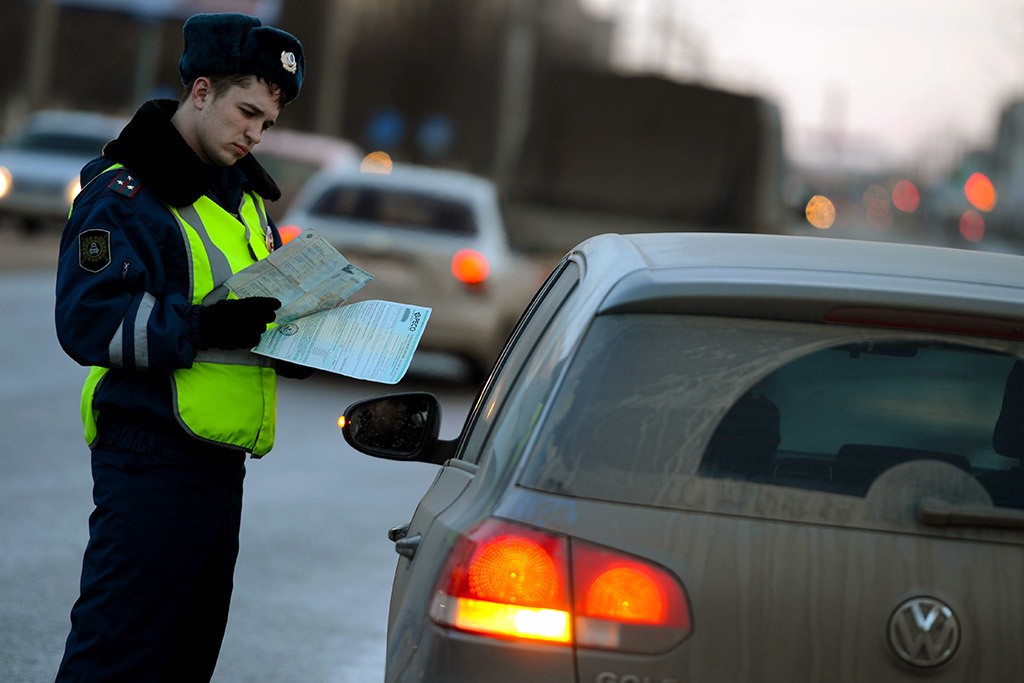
column 125, row 183
column 94, row 249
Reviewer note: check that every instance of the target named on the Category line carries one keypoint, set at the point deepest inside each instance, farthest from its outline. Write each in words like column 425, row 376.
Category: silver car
column 708, row 457
column 40, row 164
column 430, row 237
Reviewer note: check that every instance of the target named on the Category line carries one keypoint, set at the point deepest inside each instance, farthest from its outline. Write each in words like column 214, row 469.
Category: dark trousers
column 158, row 570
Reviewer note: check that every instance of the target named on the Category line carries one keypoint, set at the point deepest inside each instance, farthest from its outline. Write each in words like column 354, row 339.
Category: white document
column 306, row 275
column 371, row 340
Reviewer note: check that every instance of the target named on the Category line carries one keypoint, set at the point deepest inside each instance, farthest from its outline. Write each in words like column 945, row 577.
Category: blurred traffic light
column 377, row 162
column 905, row 196
column 980, row 191
column 820, row 212
column 972, row 226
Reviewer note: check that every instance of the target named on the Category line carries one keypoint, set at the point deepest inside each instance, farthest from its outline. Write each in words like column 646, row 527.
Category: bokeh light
column 972, row 226
column 288, row 233
column 820, row 212
column 377, row 162
column 905, row 196
column 980, row 191
column 877, row 206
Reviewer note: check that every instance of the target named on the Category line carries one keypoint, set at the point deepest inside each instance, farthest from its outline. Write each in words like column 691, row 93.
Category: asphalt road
column 315, row 568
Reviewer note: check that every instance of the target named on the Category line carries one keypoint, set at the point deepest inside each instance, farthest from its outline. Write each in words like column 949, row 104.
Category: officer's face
column 232, row 121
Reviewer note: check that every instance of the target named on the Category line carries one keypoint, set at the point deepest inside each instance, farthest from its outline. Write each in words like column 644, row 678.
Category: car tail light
column 470, row 267
column 507, row 580
column 288, row 233
column 626, row 603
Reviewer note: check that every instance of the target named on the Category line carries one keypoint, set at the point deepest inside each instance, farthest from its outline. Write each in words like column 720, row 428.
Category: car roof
column 799, row 277
column 88, row 123
column 297, row 144
column 425, row 178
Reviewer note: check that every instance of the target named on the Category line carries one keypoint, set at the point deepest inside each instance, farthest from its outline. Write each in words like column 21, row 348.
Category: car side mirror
column 397, row 427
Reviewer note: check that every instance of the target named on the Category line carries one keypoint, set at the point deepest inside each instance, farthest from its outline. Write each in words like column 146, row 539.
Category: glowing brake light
column 626, row 603
column 506, row 580
column 288, row 233
column 470, row 266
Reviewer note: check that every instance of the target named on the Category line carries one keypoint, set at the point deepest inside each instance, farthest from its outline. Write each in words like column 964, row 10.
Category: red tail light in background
column 512, row 581
column 470, row 267
column 288, row 233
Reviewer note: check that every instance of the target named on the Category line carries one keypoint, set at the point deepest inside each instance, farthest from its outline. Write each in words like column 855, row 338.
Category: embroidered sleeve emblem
column 94, row 249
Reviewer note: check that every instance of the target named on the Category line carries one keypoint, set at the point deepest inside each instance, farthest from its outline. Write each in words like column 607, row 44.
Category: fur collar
column 154, row 151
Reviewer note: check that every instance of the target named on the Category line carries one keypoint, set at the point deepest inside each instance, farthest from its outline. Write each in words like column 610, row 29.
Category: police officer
column 174, row 400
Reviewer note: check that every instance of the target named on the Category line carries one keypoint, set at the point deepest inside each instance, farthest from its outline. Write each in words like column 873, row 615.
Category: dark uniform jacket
column 122, row 249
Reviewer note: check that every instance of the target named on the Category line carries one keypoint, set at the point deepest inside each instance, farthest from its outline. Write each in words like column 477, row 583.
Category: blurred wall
column 416, row 59
column 649, row 154
column 517, row 90
column 95, row 61
column 434, row 58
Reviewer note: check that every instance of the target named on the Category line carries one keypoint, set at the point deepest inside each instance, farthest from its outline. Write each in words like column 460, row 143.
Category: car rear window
column 397, row 209
column 651, row 401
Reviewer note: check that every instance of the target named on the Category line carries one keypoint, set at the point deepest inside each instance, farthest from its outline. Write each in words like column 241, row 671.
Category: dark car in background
column 40, row 164
column 726, row 457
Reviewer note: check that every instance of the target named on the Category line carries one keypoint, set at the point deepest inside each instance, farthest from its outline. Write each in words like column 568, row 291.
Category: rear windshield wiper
column 937, row 512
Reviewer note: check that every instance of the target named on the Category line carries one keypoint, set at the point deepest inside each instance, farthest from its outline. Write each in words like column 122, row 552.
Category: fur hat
column 232, row 43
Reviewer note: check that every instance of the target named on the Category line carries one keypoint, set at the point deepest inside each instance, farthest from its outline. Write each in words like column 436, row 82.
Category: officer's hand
column 235, row 323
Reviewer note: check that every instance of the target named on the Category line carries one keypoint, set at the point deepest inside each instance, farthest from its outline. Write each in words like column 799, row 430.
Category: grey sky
column 909, row 79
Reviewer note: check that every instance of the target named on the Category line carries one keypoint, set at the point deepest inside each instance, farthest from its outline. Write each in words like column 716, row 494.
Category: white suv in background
column 429, row 237
column 41, row 160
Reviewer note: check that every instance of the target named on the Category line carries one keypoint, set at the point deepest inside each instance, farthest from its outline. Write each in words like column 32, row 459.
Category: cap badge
column 288, row 62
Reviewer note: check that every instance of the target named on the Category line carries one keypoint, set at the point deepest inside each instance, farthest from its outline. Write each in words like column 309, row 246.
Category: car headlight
column 72, row 189
column 5, row 181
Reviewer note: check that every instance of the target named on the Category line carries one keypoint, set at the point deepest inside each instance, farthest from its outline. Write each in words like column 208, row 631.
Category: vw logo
column 924, row 632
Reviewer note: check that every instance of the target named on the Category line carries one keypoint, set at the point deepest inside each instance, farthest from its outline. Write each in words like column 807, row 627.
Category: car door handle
column 406, row 547
column 396, row 533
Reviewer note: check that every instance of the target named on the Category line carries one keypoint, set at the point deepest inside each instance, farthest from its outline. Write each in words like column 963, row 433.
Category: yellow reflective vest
column 227, row 397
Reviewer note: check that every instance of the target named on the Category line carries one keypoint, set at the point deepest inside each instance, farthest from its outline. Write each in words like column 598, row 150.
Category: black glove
column 233, row 323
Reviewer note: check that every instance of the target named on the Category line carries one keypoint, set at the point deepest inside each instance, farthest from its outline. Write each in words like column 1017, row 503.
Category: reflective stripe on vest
column 227, row 397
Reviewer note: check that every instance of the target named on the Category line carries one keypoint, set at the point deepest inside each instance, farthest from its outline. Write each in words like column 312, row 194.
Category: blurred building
column 425, row 77
column 522, row 91
column 428, row 81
